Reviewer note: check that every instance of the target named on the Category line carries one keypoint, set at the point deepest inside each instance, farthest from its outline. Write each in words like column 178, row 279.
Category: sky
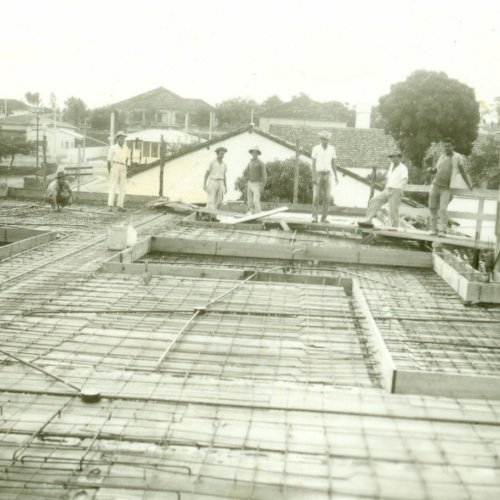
column 350, row 51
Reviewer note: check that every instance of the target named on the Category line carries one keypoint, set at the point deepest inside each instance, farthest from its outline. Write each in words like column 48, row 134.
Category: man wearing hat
column 257, row 178
column 397, row 177
column 323, row 163
column 118, row 159
column 59, row 193
column 215, row 180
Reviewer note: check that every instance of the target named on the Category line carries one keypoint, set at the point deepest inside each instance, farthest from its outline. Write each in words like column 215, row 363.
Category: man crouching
column 59, row 193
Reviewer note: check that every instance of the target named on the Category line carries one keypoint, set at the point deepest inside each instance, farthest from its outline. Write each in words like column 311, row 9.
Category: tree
column 12, row 146
column 75, row 111
column 279, row 187
column 99, row 119
column 236, row 112
column 33, row 98
column 428, row 107
column 270, row 102
column 484, row 163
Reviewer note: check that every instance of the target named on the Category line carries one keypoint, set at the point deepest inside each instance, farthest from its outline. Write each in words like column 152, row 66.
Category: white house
column 145, row 144
column 184, row 174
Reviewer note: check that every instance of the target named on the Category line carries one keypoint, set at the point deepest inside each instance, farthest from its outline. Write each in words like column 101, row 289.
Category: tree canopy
column 75, row 111
column 12, row 146
column 428, row 107
column 99, row 119
column 484, row 163
column 33, row 98
column 236, row 112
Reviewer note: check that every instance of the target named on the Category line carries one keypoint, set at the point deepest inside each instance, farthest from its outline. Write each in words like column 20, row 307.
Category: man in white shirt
column 323, row 163
column 215, row 184
column 118, row 159
column 397, row 177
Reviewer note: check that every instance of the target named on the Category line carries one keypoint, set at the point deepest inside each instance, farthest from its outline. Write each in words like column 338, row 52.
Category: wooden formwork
column 20, row 239
column 469, row 291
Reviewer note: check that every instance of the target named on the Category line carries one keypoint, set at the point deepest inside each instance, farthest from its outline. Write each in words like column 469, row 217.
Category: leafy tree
column 33, row 98
column 99, row 119
column 270, row 102
column 236, row 112
column 12, row 146
column 280, row 177
column 485, row 163
column 75, row 111
column 428, row 107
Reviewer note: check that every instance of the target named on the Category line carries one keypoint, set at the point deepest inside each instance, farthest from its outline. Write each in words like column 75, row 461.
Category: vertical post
column 372, row 183
column 112, row 128
column 78, row 165
column 44, row 150
column 186, row 122
column 497, row 233
column 209, row 125
column 37, row 128
column 296, row 173
column 162, row 163
column 84, row 140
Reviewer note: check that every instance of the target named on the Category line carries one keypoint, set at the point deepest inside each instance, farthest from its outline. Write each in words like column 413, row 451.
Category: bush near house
column 280, row 177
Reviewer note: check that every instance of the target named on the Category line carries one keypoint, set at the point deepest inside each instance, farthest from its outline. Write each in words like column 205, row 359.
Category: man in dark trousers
column 257, row 178
column 449, row 174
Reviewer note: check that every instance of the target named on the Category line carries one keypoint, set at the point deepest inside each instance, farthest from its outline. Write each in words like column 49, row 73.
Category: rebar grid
column 428, row 328
column 122, row 442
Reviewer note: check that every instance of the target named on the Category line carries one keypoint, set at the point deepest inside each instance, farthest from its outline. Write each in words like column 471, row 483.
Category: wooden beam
column 380, row 351
column 260, row 215
column 327, row 253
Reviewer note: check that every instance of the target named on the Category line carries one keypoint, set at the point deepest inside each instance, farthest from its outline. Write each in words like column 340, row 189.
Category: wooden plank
column 425, row 236
column 254, row 250
column 260, row 215
column 183, row 245
column 447, row 385
column 284, row 225
column 464, row 193
column 140, row 249
column 380, row 351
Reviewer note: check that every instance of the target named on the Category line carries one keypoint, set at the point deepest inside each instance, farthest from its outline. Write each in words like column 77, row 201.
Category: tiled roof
column 306, row 109
column 12, row 105
column 355, row 148
column 161, row 98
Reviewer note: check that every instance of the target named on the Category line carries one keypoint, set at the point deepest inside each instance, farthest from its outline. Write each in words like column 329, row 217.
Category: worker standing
column 323, row 163
column 257, row 178
column 397, row 177
column 449, row 173
column 215, row 180
column 118, row 160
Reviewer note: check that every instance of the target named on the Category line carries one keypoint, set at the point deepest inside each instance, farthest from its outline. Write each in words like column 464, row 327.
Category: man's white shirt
column 397, row 177
column 324, row 157
column 119, row 154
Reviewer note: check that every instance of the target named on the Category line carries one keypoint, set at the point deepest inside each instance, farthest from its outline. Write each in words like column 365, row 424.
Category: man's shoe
column 314, row 221
column 121, row 209
column 110, row 209
column 324, row 219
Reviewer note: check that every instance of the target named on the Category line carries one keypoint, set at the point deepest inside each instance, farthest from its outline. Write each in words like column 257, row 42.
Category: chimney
column 363, row 115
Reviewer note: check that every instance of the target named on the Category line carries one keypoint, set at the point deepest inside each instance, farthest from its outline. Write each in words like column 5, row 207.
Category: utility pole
column 296, row 173
column 44, row 150
column 162, row 163
column 112, row 128
column 84, row 139
column 37, row 130
column 497, row 233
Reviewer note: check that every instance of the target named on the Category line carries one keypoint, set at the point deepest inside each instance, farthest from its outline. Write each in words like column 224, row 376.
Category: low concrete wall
column 90, row 198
